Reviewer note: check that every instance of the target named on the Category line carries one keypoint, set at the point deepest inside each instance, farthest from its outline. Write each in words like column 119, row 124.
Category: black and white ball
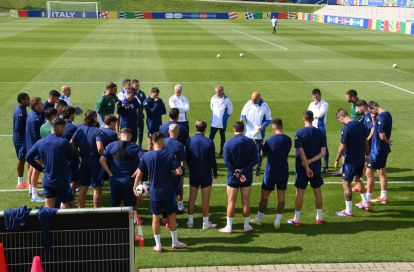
column 394, row 66
column 143, row 189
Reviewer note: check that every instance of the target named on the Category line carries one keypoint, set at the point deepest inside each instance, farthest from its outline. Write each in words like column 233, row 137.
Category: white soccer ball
column 143, row 189
column 394, row 66
column 241, row 55
column 218, row 56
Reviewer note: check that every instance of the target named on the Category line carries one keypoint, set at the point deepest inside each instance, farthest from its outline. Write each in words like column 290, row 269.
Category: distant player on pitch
column 274, row 21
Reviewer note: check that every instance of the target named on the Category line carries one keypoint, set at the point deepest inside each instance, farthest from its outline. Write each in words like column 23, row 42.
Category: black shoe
column 258, row 172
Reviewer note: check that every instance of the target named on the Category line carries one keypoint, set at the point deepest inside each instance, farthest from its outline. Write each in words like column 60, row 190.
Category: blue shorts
column 90, row 174
column 199, row 182
column 62, row 193
column 167, row 206
column 351, row 171
column 20, row 151
column 269, row 184
column 302, row 180
column 378, row 161
column 122, row 192
column 178, row 187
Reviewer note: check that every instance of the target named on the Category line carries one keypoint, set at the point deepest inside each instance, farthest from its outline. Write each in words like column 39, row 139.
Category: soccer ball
column 394, row 66
column 241, row 55
column 218, row 56
column 142, row 189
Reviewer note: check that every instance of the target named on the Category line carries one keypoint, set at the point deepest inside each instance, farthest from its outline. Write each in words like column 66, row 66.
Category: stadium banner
column 112, row 15
column 13, row 13
column 147, row 15
column 381, row 25
column 22, row 13
column 38, row 13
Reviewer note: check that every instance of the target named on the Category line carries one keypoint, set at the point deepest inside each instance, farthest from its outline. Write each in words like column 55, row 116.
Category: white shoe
column 248, row 228
column 178, row 246
column 256, row 221
column 209, row 226
column 226, row 230
column 37, row 199
column 277, row 226
column 190, row 224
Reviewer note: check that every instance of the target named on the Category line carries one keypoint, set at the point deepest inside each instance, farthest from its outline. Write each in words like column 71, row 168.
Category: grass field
column 163, row 5
column 38, row 55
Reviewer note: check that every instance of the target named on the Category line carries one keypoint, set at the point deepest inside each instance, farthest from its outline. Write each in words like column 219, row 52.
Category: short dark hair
column 62, row 102
column 373, row 104
column 54, row 93
column 316, row 91
column 58, row 122
column 278, row 123
column 126, row 131
column 341, row 113
column 21, row 97
column 125, row 81
column 110, row 119
column 361, row 103
column 157, row 136
column 130, row 91
column 110, row 86
column 68, row 111
column 308, row 116
column 34, row 101
column 200, row 125
column 90, row 116
column 238, row 126
column 135, row 81
column 174, row 113
column 352, row 93
column 49, row 113
column 155, row 90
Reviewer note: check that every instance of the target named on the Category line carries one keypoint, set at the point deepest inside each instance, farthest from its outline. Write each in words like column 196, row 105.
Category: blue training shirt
column 201, row 157
column 354, row 135
column 86, row 138
column 106, row 136
column 277, row 149
column 56, row 154
column 33, row 123
column 383, row 124
column 123, row 158
column 369, row 124
column 155, row 110
column 19, row 124
column 128, row 111
column 158, row 165
column 175, row 148
column 311, row 140
column 182, row 136
column 70, row 130
column 240, row 153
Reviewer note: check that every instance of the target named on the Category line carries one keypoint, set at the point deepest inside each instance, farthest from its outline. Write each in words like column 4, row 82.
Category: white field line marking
column 312, row 61
column 6, row 135
column 259, row 39
column 196, row 82
column 224, row 185
column 396, row 87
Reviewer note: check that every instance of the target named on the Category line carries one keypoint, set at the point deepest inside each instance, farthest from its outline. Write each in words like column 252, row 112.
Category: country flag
column 139, row 15
column 122, row 15
column 249, row 15
column 267, row 15
column 232, row 15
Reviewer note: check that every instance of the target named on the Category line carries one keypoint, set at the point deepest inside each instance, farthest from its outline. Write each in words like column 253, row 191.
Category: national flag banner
column 258, row 15
column 320, row 19
column 113, row 15
column 249, row 15
column 13, row 13
column 386, row 26
column 232, row 15
column 398, row 27
column 147, row 15
column 391, row 26
column 241, row 15
column 408, row 26
column 374, row 24
column 380, row 25
column 122, row 15
column 402, row 27
column 104, row 15
column 22, row 13
column 139, row 15
column 130, row 15
column 369, row 23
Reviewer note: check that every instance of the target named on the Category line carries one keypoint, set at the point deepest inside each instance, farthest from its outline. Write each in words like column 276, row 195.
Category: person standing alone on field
column 274, row 24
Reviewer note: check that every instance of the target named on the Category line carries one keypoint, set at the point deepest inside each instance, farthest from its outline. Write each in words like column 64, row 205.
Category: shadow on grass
column 249, row 249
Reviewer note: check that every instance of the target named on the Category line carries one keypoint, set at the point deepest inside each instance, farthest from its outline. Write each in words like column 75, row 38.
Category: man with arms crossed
column 221, row 108
column 310, row 144
column 203, row 166
column 276, row 149
column 240, row 156
column 354, row 147
column 161, row 166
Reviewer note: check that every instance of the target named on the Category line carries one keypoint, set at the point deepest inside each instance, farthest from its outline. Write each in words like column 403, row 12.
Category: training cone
column 140, row 236
column 3, row 263
column 37, row 265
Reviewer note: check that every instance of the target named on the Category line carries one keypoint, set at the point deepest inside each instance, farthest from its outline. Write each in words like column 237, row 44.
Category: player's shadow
column 397, row 170
column 249, row 249
column 347, row 227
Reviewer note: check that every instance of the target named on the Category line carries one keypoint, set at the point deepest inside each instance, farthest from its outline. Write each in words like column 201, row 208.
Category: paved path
column 340, row 267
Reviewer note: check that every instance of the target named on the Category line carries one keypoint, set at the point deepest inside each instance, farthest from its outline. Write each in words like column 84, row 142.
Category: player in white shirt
column 273, row 21
column 65, row 96
column 126, row 85
column 257, row 116
column 221, row 108
column 179, row 101
column 320, row 107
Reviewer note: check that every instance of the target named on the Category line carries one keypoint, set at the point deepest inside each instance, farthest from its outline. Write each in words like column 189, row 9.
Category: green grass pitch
column 38, row 55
